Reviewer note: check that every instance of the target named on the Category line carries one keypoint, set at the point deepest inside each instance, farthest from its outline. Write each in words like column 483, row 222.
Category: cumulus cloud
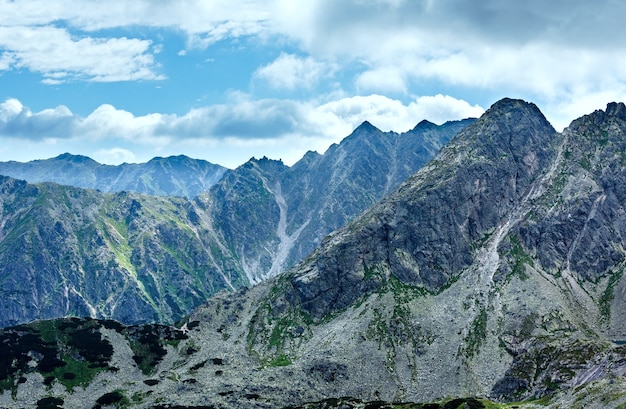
column 289, row 71
column 55, row 54
column 393, row 115
column 541, row 49
column 114, row 156
column 486, row 44
column 17, row 121
column 204, row 22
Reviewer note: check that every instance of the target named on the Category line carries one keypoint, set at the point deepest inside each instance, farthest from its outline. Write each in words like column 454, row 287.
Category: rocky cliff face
column 495, row 271
column 172, row 176
column 427, row 231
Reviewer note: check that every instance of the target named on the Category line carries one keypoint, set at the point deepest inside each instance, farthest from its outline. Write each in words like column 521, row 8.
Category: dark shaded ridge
column 353, row 403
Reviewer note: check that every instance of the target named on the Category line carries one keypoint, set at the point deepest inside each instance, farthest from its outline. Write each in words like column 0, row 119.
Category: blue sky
column 124, row 81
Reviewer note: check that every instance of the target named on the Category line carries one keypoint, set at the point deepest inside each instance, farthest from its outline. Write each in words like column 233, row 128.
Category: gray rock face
column 499, row 264
column 582, row 232
column 427, row 230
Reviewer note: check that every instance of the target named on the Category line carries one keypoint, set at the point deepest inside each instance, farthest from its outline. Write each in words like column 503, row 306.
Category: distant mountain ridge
column 171, row 176
column 139, row 258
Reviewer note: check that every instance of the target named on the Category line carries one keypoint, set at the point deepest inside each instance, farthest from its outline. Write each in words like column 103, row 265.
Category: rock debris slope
column 495, row 271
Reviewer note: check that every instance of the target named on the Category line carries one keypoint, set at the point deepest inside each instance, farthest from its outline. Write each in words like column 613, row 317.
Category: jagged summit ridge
column 297, row 206
column 616, row 109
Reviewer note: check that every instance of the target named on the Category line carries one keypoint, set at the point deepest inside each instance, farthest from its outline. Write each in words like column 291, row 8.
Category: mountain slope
column 496, row 271
column 172, row 176
column 505, row 248
column 288, row 210
column 68, row 251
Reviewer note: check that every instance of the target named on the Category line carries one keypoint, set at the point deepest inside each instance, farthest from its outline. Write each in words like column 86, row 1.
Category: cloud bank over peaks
column 224, row 133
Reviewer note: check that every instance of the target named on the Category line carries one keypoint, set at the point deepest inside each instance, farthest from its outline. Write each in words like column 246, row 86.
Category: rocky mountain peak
column 423, row 125
column 617, row 109
column 516, row 114
column 366, row 126
column 614, row 111
column 424, row 233
column 79, row 159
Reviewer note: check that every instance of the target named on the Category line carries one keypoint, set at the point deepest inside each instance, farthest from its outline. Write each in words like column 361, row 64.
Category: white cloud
column 442, row 108
column 58, row 56
column 289, row 71
column 17, row 121
column 205, row 22
column 383, row 79
column 6, row 61
column 9, row 109
column 539, row 48
column 114, row 156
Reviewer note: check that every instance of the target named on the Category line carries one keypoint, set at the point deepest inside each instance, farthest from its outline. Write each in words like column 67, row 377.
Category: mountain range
column 143, row 258
column 172, row 176
column 494, row 272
